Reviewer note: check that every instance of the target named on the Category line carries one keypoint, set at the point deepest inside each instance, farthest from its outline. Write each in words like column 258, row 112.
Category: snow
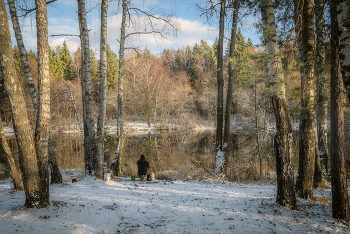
column 125, row 206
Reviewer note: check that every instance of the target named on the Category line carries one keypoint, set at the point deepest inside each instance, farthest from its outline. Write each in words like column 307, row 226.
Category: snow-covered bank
column 123, row 206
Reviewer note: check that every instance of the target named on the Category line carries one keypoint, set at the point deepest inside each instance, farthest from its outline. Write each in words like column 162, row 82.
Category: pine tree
column 17, row 60
column 56, row 63
column 241, row 60
column 112, row 68
column 66, row 61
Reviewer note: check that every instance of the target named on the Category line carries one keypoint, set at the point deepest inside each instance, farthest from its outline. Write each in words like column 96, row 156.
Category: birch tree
column 102, row 90
column 90, row 156
column 307, row 143
column 42, row 130
column 24, row 136
column 284, row 135
column 115, row 166
column 56, row 176
column 15, row 173
column 322, row 99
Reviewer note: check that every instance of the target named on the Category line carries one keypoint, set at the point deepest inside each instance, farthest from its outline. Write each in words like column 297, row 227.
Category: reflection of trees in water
column 186, row 152
column 68, row 149
column 192, row 154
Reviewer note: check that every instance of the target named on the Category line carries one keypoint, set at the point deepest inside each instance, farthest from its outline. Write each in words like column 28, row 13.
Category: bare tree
column 229, row 98
column 140, row 22
column 220, row 156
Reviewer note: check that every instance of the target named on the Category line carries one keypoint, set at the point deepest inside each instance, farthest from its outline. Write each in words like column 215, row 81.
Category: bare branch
column 65, row 35
column 31, row 10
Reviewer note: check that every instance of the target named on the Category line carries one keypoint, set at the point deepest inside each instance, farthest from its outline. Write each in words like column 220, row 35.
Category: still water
column 181, row 154
column 177, row 154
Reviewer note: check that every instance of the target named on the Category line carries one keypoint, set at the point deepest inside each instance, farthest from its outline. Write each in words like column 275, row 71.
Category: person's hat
column 142, row 156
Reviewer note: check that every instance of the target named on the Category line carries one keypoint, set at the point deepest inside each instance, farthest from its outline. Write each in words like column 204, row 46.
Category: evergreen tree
column 17, row 60
column 56, row 66
column 241, row 59
column 31, row 55
column 112, row 68
column 66, row 61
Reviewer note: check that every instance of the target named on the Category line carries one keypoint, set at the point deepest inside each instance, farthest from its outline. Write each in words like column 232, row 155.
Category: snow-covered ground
column 125, row 206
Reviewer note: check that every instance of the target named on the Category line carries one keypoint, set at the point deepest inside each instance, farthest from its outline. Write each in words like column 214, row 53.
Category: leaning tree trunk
column 344, row 42
column 103, row 90
column 322, row 99
column 220, row 156
column 22, row 128
column 56, row 176
column 116, row 163
column 229, row 100
column 42, row 131
column 284, row 135
column 89, row 139
column 340, row 200
column 307, row 143
column 15, row 174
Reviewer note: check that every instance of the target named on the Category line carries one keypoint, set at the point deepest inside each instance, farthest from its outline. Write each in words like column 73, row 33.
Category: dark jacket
column 142, row 165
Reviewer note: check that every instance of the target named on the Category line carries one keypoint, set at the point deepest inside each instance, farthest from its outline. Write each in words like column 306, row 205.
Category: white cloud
column 191, row 32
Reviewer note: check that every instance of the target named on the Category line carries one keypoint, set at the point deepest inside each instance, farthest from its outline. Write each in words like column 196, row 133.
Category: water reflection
column 184, row 154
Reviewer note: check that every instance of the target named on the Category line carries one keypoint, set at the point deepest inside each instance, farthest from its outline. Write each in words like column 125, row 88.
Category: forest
column 293, row 88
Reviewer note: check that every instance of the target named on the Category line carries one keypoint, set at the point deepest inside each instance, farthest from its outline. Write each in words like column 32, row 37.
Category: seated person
column 143, row 166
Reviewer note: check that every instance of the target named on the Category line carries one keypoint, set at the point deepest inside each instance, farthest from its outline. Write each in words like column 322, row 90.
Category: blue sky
column 63, row 19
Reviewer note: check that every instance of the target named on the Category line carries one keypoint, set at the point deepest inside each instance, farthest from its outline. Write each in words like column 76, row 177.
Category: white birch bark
column 115, row 166
column 89, row 140
column 56, row 176
column 103, row 90
column 284, row 135
column 42, row 131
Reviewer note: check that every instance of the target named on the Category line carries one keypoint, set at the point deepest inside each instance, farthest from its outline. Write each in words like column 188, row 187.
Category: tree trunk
column 344, row 41
column 89, row 139
column 257, row 127
column 340, row 200
column 116, row 163
column 229, row 98
column 43, row 118
column 103, row 90
column 322, row 99
column 56, row 176
column 15, row 173
column 307, row 143
column 220, row 156
column 284, row 135
column 318, row 168
column 23, row 132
